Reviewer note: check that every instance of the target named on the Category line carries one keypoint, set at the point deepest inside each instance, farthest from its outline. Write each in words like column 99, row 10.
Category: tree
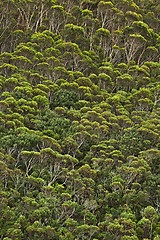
column 73, row 33
column 103, row 36
column 86, row 231
column 43, row 40
column 57, row 18
column 104, row 12
column 133, row 45
column 147, row 222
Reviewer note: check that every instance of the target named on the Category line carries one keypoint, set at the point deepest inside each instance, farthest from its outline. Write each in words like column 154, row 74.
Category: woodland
column 79, row 120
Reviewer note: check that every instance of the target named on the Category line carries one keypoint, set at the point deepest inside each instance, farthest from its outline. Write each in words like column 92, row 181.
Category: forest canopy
column 79, row 120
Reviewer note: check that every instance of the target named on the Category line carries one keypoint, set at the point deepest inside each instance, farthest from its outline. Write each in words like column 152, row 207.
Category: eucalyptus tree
column 57, row 18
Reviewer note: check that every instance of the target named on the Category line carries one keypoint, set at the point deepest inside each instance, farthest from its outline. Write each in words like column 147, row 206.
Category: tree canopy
column 79, row 120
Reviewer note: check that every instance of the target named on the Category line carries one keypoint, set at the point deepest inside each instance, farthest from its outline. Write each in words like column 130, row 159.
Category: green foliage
column 79, row 120
column 65, row 98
